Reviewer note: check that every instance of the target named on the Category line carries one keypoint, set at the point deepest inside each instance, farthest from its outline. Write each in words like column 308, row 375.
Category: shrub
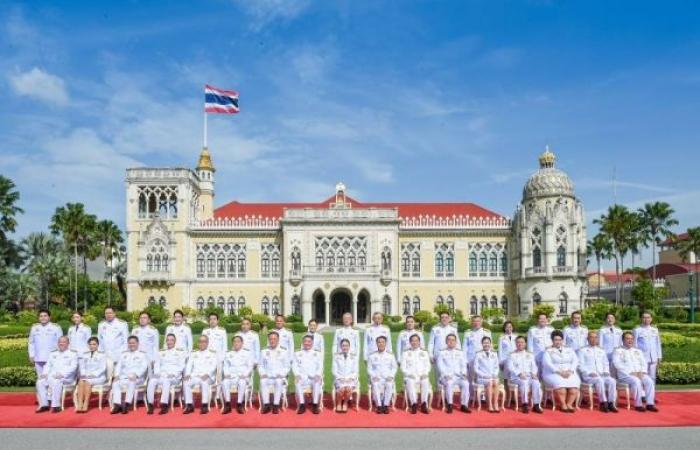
column 298, row 327
column 245, row 311
column 262, row 320
column 542, row 309
column 678, row 373
column 232, row 327
column 675, row 340
column 17, row 376
column 212, row 310
column 441, row 308
column 158, row 314
column 557, row 324
column 463, row 325
column 396, row 326
column 27, row 318
column 667, row 326
column 396, row 318
column 14, row 330
column 493, row 315
column 293, row 318
column 197, row 327
column 126, row 316
column 13, row 344
column 424, row 317
column 675, row 313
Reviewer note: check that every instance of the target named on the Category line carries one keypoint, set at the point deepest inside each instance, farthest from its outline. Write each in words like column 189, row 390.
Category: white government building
column 319, row 260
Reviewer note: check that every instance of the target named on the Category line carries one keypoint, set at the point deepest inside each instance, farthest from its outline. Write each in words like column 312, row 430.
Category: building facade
column 320, row 260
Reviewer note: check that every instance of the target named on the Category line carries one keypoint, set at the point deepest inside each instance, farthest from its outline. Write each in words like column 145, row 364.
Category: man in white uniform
column 237, row 371
column 575, row 334
column 149, row 338
column 43, row 339
column 113, row 334
column 539, row 339
column 595, row 370
column 182, row 331
column 610, row 336
column 218, row 340
column 349, row 333
column 78, row 334
column 631, row 367
column 438, row 340
column 200, row 372
column 251, row 340
column 373, row 332
column 452, row 365
column 60, row 370
column 522, row 370
column 648, row 340
column 273, row 369
column 381, row 371
column 319, row 344
column 286, row 337
column 167, row 372
column 403, row 341
column 308, row 373
column 415, row 366
column 129, row 373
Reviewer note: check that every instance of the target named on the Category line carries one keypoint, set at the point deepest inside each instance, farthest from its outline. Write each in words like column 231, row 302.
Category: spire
column 547, row 159
column 205, row 162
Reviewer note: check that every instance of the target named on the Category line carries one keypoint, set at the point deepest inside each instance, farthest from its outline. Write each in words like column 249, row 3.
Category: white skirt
column 557, row 381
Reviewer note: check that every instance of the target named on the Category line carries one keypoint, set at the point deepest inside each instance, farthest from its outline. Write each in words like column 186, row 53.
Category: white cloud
column 263, row 12
column 41, row 85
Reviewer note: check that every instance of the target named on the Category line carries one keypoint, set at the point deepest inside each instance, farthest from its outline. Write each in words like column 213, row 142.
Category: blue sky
column 403, row 101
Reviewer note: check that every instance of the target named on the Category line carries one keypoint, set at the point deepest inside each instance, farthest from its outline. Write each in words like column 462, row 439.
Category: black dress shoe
column 315, row 409
column 465, row 409
column 424, row 408
column 56, row 409
column 448, row 409
column 612, row 407
column 126, row 408
column 266, row 409
column 42, row 409
column 189, row 409
column 526, row 409
column 116, row 409
column 164, row 408
column 240, row 409
column 386, row 410
column 204, row 410
column 301, row 409
column 414, row 408
column 604, row 407
column 275, row 409
column 538, row 409
column 639, row 409
column 652, row 408
column 227, row 408
column 149, row 408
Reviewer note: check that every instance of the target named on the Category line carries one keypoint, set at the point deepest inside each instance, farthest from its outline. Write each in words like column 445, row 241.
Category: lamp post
column 692, row 291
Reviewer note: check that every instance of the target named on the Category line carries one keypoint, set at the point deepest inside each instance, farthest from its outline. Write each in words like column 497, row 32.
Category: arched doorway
column 319, row 307
column 341, row 302
column 363, row 308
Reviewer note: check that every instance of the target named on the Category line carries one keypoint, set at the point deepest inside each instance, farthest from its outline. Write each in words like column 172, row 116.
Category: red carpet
column 677, row 409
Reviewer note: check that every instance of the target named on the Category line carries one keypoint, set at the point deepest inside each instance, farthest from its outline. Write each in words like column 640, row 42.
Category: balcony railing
column 535, row 271
column 154, row 277
column 341, row 270
column 562, row 269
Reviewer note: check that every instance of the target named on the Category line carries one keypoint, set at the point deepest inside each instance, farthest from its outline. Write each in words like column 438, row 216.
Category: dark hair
column 314, row 321
column 108, row 307
column 246, row 319
column 485, row 338
column 414, row 335
column 93, row 339
column 506, row 323
column 476, row 316
column 646, row 311
column 133, row 337
column 76, row 312
column 449, row 336
column 556, row 333
column 273, row 332
column 576, row 312
column 171, row 334
column 344, row 340
column 44, row 310
column 380, row 338
column 610, row 313
column 178, row 311
column 146, row 313
column 277, row 316
column 240, row 338
column 627, row 333
column 307, row 336
column 444, row 313
column 542, row 314
column 409, row 317
column 521, row 337
column 213, row 314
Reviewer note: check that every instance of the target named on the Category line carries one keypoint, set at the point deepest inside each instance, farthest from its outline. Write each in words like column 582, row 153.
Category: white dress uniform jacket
column 61, row 369
column 522, row 370
column 346, row 370
column 273, row 368
column 594, row 367
column 237, row 372
column 415, row 366
column 251, row 342
column 168, row 369
column 149, row 340
column 539, row 339
column 308, row 373
column 438, row 337
column 575, row 337
column 630, row 361
column 43, row 339
column 381, row 368
column 199, row 364
column 648, row 340
column 506, row 346
column 610, row 339
column 349, row 333
column 371, row 335
column 286, row 341
column 113, row 338
column 218, row 340
column 486, row 366
column 183, row 336
column 93, row 367
column 452, row 365
column 78, row 337
column 319, row 344
column 556, row 360
column 403, row 341
column 472, row 342
column 129, row 364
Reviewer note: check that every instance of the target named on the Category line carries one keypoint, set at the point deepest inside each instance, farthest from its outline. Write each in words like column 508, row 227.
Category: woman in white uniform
column 346, row 374
column 92, row 371
column 506, row 346
column 486, row 372
column 559, row 365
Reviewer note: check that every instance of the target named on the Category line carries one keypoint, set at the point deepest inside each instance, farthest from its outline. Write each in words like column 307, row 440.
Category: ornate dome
column 205, row 162
column 548, row 181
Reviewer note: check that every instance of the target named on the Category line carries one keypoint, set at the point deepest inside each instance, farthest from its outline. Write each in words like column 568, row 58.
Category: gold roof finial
column 547, row 159
column 205, row 161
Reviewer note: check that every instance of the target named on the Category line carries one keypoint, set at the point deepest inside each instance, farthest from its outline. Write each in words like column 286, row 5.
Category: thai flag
column 220, row 101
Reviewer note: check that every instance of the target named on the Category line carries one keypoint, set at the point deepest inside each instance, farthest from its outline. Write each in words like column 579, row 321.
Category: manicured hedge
column 17, row 376
column 678, row 373
column 13, row 330
column 679, row 326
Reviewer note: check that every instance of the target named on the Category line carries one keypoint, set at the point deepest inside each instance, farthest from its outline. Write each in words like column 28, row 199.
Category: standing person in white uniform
column 78, row 334
column 43, row 339
column 648, row 339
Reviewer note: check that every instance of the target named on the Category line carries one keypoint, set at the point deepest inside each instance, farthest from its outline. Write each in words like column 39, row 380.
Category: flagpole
column 205, row 129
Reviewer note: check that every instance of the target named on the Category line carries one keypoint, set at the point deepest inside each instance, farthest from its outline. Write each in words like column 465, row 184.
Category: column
column 328, row 310
column 354, row 308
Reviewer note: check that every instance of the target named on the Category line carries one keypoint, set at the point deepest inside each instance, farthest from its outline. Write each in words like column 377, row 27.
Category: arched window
column 296, row 258
column 439, row 300
column 296, row 305
column 386, row 305
column 410, row 259
column 484, row 303
column 220, row 265
column 200, row 304
column 560, row 244
column 536, row 245
column 563, row 303
column 270, row 261
column 444, row 259
column 439, row 265
column 493, row 265
column 494, row 302
column 156, row 263
column 504, row 305
column 362, row 261
column 473, row 306
column 151, row 300
column 241, row 303
column 406, row 303
column 275, row 306
column 405, row 265
column 451, row 303
column 210, row 302
column 241, row 265
column 536, row 299
column 231, row 306
column 265, row 306
column 340, row 261
column 483, row 264
column 211, row 265
column 142, row 206
column 386, row 259
column 536, row 257
column 149, row 263
column 220, row 302
column 319, row 261
column 416, row 304
column 200, row 266
column 504, row 264
column 472, row 264
column 172, row 206
column 561, row 256
column 220, row 260
column 276, row 265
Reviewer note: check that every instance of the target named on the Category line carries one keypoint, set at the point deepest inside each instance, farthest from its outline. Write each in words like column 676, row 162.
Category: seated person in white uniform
column 346, row 374
column 129, row 373
column 486, row 373
column 595, row 370
column 522, row 370
column 381, row 371
column 631, row 366
column 168, row 369
column 93, row 371
column 200, row 372
column 273, row 369
column 415, row 366
column 559, row 364
column 238, row 372
column 61, row 369
column 308, row 373
column 452, row 367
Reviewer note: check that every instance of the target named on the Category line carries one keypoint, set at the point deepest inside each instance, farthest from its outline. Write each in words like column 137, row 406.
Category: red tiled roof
column 611, row 277
column 276, row 210
column 672, row 240
column 665, row 269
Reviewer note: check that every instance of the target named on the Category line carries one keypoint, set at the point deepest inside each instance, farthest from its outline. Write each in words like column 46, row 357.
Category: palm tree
column 76, row 226
column 46, row 260
column 657, row 219
column 638, row 236
column 109, row 236
column 118, row 270
column 618, row 224
column 600, row 247
column 690, row 244
column 8, row 222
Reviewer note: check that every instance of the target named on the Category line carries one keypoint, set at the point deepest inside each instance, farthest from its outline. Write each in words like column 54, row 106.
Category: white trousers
column 308, row 383
column 383, row 391
column 527, row 388
column 165, row 384
column 204, row 389
column 425, row 388
column 605, row 387
column 241, row 385
column 39, row 367
column 124, row 385
column 640, row 388
column 651, row 370
column 56, row 385
column 449, row 386
column 276, row 385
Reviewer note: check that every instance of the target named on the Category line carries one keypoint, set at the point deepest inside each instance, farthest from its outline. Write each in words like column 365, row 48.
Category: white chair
column 549, row 394
column 247, row 398
column 477, row 390
column 308, row 390
column 175, row 391
column 214, row 387
column 140, row 389
column 283, row 397
column 586, row 390
column 99, row 389
column 355, row 393
column 624, row 387
column 441, row 397
column 371, row 400
column 512, row 394
column 418, row 395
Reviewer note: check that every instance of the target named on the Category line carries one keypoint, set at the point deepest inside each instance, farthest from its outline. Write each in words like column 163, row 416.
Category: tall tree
column 109, row 236
column 618, row 224
column 45, row 259
column 600, row 247
column 9, row 197
column 76, row 226
column 657, row 220
column 691, row 244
